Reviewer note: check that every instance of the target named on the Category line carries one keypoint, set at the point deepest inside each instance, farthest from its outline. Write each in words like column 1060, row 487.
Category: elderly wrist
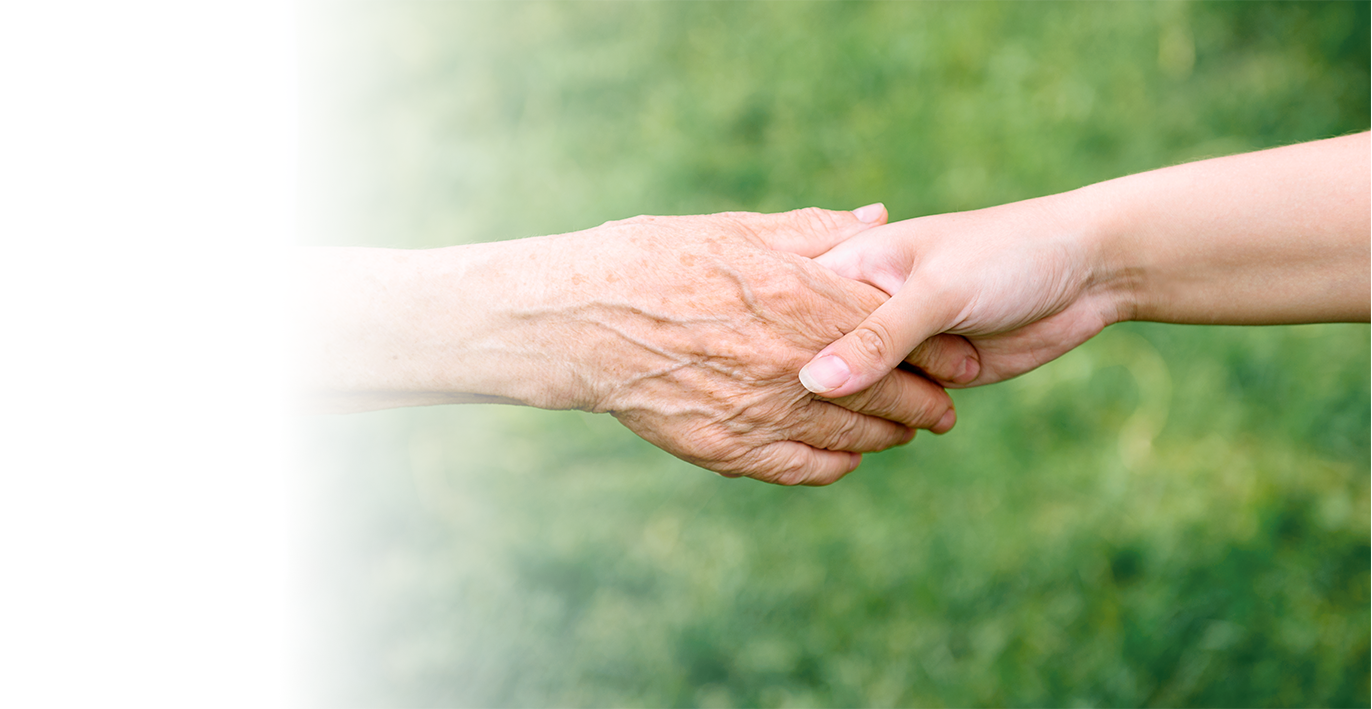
column 519, row 339
column 466, row 324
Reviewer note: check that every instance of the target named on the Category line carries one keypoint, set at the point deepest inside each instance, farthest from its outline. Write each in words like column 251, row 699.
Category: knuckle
column 929, row 410
column 815, row 219
column 787, row 467
column 870, row 343
column 640, row 219
column 932, row 408
column 927, row 352
column 869, row 401
column 794, row 471
column 885, row 400
column 713, row 448
column 716, row 449
column 744, row 221
column 938, row 355
column 902, row 399
column 842, row 436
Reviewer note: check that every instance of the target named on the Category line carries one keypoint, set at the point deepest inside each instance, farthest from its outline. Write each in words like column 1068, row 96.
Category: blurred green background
column 1168, row 516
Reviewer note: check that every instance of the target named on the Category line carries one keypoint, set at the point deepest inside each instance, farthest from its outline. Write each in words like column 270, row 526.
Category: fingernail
column 946, row 423
column 970, row 369
column 855, row 461
column 824, row 374
column 909, row 436
column 869, row 214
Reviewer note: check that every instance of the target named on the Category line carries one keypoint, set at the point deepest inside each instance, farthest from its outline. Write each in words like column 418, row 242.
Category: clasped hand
column 700, row 325
column 693, row 331
column 689, row 330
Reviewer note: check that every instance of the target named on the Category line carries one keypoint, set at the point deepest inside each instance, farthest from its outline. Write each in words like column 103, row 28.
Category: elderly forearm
column 384, row 328
column 686, row 329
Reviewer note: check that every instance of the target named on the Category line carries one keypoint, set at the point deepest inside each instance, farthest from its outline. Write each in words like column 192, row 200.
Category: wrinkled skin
column 690, row 331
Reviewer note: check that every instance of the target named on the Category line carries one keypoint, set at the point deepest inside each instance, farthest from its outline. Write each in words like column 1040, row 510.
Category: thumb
column 868, row 353
column 811, row 231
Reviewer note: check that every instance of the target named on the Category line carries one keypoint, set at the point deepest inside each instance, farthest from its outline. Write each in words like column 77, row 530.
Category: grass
column 1168, row 516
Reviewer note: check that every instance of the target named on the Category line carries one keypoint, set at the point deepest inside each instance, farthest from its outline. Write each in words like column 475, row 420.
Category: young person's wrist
column 1112, row 273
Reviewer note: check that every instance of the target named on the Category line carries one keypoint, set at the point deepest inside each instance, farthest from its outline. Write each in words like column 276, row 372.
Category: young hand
column 1276, row 236
column 1016, row 281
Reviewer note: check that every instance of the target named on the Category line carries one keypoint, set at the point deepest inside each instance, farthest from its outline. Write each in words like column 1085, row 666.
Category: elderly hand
column 689, row 330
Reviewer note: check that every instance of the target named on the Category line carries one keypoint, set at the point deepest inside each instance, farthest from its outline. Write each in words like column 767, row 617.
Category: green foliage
column 1167, row 516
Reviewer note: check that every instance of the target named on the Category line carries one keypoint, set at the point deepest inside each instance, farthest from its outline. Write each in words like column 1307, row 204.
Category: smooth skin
column 689, row 330
column 1273, row 237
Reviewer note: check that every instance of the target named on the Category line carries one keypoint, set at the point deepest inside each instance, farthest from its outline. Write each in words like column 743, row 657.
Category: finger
column 907, row 399
column 812, row 231
column 865, row 355
column 793, row 463
column 873, row 258
column 947, row 359
column 831, row 427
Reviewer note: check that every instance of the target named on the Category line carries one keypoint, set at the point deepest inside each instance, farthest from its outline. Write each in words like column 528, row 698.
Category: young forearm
column 1278, row 236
